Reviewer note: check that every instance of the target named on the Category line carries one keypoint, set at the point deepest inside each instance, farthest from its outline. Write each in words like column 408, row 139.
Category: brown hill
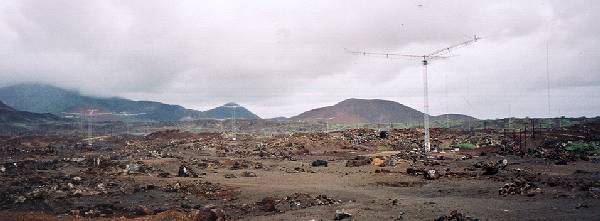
column 353, row 110
column 363, row 111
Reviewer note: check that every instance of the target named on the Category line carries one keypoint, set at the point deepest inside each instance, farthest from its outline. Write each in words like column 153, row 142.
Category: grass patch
column 465, row 146
column 583, row 147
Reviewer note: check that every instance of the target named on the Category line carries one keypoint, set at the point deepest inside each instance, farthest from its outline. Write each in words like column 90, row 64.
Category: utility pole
column 90, row 117
column 438, row 54
column 233, row 106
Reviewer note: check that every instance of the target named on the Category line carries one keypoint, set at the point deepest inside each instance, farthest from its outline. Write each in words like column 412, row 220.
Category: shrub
column 583, row 147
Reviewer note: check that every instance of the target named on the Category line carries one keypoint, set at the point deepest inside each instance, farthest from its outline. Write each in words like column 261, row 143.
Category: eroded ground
column 370, row 175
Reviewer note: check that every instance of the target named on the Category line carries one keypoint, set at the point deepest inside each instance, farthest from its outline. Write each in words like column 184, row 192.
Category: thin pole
column 446, row 95
column 548, row 78
column 509, row 115
column 427, row 145
column 468, row 97
column 233, row 123
column 90, row 128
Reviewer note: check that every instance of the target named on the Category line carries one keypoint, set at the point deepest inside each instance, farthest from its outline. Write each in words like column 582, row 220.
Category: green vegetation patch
column 592, row 147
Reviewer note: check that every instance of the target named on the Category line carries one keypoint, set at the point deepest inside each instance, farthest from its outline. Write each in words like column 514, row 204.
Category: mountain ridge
column 41, row 98
column 9, row 115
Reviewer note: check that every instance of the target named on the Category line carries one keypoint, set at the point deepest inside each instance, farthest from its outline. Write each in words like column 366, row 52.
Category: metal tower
column 438, row 54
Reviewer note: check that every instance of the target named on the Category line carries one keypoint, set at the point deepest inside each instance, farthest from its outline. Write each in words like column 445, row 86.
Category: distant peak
column 231, row 104
column 358, row 100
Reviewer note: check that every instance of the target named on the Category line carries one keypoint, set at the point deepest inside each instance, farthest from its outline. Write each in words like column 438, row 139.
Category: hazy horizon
column 281, row 58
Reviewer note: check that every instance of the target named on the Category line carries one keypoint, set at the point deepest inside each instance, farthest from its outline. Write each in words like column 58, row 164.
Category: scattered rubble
column 519, row 187
column 196, row 174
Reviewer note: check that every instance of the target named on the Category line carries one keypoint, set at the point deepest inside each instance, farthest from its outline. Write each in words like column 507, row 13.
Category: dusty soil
column 185, row 176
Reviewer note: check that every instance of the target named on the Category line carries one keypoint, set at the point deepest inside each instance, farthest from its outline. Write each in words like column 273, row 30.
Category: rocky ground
column 345, row 175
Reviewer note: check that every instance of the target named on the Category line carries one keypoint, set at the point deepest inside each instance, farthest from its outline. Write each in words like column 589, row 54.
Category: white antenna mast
column 438, row 54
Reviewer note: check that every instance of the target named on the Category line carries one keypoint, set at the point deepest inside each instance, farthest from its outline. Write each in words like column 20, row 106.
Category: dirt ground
column 185, row 176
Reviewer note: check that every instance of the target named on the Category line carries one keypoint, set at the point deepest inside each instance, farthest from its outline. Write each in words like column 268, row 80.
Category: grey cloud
column 283, row 57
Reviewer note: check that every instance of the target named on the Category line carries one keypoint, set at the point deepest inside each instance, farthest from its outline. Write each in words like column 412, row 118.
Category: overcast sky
column 280, row 58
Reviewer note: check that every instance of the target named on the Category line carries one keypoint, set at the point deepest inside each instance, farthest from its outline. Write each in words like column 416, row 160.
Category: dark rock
column 415, row 171
column 594, row 192
column 183, row 171
column 319, row 163
column 229, row 175
column 383, row 134
column 582, row 205
column 206, row 215
column 382, row 171
column 236, row 166
column 562, row 162
column 268, row 204
column 456, row 216
column 142, row 211
column 490, row 170
column 358, row 161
